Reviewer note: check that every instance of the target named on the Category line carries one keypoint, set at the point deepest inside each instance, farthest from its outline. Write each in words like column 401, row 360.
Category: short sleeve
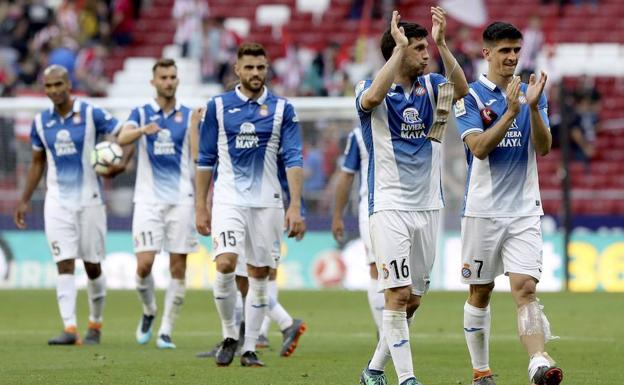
column 134, row 118
column 35, row 139
column 104, row 122
column 290, row 138
column 468, row 116
column 360, row 89
column 208, row 135
column 351, row 161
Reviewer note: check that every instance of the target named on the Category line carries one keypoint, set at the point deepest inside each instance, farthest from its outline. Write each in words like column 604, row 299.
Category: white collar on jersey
column 75, row 109
column 244, row 98
column 156, row 107
column 486, row 82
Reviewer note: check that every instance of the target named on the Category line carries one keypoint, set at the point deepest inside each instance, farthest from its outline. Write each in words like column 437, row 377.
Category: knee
column 480, row 294
column 144, row 268
column 93, row 270
column 397, row 298
column 65, row 267
column 412, row 306
column 177, row 267
column 524, row 291
column 226, row 264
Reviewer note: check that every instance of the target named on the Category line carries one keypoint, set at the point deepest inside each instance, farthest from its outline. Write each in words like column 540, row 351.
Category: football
column 104, row 154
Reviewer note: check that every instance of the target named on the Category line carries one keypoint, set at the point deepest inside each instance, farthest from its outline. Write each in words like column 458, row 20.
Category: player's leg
column 374, row 295
column 63, row 237
column 174, row 299
column 481, row 263
column 180, row 240
column 264, row 227
column 92, row 250
column 66, row 294
column 391, row 240
column 228, row 237
column 263, row 338
column 147, row 232
column 292, row 329
column 522, row 255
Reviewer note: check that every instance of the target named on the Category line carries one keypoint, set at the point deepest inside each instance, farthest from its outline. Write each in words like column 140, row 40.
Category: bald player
column 63, row 137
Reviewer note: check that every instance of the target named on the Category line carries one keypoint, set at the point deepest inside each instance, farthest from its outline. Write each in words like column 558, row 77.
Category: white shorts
column 165, row 227
column 493, row 246
column 404, row 244
column 75, row 233
column 254, row 234
column 365, row 235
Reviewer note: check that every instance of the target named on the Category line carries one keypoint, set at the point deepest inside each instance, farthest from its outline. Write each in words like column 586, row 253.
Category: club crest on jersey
column 466, row 272
column 178, row 117
column 420, row 91
column 76, row 119
column 386, row 273
column 412, row 126
column 247, row 137
column 164, row 144
column 264, row 110
column 63, row 145
column 522, row 99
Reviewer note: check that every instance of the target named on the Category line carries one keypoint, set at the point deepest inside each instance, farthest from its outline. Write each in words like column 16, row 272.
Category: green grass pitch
column 338, row 343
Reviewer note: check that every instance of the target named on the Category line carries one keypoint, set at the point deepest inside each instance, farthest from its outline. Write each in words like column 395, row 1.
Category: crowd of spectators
column 77, row 34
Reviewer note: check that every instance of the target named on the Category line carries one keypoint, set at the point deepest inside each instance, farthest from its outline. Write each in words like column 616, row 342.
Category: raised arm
column 376, row 93
column 454, row 72
column 541, row 138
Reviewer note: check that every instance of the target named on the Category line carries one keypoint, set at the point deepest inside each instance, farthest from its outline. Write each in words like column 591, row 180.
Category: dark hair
column 251, row 49
column 500, row 31
column 164, row 63
column 412, row 31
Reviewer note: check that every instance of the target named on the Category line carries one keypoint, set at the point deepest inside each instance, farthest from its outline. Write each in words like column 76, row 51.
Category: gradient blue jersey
column 245, row 136
column 68, row 142
column 356, row 161
column 164, row 158
column 404, row 166
column 505, row 183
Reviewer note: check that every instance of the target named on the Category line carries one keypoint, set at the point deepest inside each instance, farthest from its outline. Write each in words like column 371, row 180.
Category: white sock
column 477, row 332
column 225, row 298
column 66, row 297
column 255, row 310
column 375, row 302
column 239, row 309
column 145, row 288
column 96, row 291
column 535, row 363
column 266, row 323
column 396, row 334
column 381, row 355
column 174, row 299
column 278, row 314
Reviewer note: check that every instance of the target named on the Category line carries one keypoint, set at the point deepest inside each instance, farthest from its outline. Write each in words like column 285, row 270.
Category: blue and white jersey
column 404, row 166
column 356, row 160
column 504, row 184
column 164, row 158
column 68, row 142
column 245, row 137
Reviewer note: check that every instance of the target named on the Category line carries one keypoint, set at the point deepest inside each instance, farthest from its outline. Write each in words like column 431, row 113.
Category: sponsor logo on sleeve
column 460, row 108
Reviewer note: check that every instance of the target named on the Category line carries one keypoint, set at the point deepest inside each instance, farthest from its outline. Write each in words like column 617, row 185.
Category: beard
column 255, row 86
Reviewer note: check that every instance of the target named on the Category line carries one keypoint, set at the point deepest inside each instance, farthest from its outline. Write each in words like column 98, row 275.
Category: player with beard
column 163, row 197
column 242, row 134
column 397, row 111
